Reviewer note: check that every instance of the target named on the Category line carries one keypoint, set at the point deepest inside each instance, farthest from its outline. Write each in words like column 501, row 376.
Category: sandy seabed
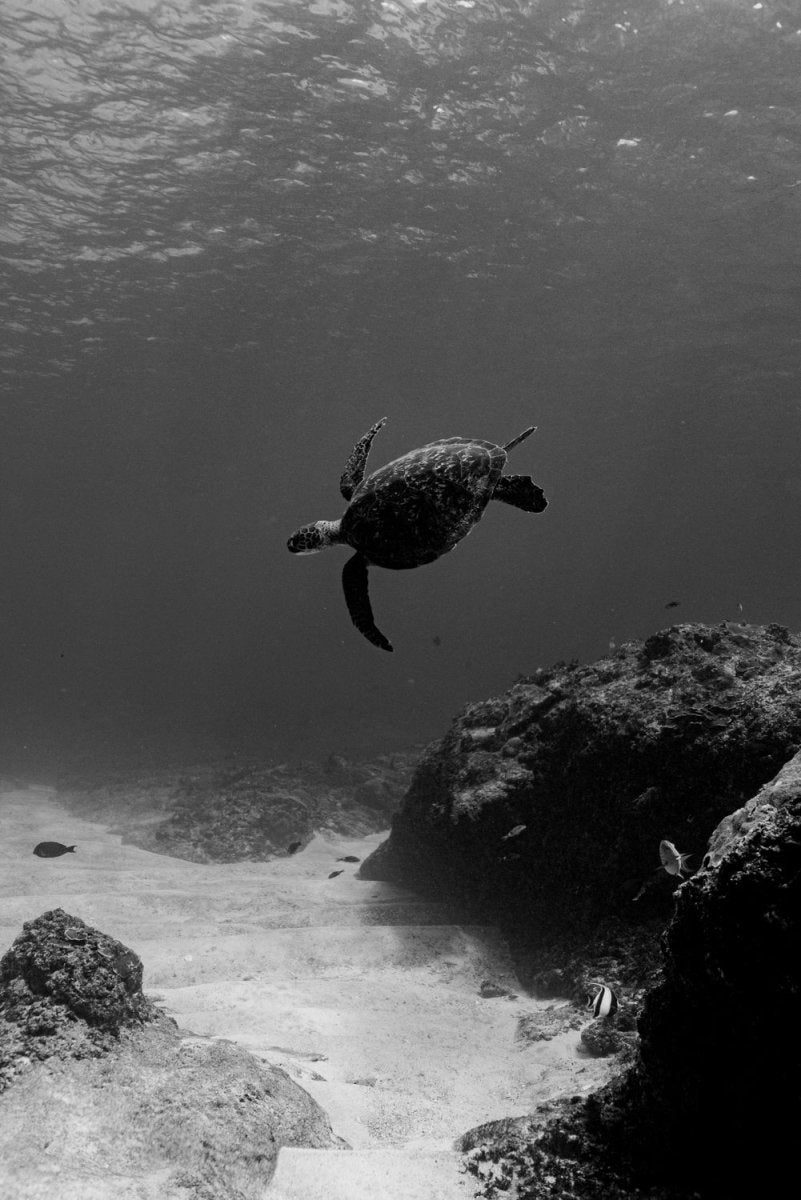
column 366, row 994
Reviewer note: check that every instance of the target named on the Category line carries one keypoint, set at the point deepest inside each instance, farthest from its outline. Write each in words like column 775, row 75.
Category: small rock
column 547, row 1023
column 602, row 1038
column 490, row 990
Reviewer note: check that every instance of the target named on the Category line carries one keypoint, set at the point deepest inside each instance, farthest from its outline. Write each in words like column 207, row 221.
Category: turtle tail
column 521, row 437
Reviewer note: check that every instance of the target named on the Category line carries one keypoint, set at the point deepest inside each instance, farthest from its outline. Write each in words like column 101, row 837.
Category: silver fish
column 518, row 829
column 672, row 860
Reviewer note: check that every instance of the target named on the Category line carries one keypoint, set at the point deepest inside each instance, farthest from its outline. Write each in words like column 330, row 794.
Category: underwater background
column 234, row 235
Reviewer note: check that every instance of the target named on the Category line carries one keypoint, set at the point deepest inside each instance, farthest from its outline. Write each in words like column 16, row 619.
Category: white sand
column 359, row 989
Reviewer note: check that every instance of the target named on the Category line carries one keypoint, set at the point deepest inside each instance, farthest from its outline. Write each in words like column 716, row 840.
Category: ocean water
column 234, row 235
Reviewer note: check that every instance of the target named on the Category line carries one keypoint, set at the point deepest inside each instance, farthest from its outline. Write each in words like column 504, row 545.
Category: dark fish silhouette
column 437, row 640
column 334, row 874
column 293, row 847
column 349, row 858
column 52, row 850
column 673, row 604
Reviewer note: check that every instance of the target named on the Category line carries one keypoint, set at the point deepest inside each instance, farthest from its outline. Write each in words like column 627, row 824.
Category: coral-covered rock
column 544, row 808
column 66, row 990
column 61, row 959
column 553, row 1154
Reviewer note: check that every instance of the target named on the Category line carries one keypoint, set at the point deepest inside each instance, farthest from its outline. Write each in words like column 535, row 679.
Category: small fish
column 673, row 862
column 334, row 874
column 604, row 1002
column 293, row 847
column 349, row 858
column 518, row 829
column 673, row 604
column 437, row 640
column 52, row 850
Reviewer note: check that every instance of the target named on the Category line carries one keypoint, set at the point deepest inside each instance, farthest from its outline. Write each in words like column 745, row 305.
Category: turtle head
column 311, row 538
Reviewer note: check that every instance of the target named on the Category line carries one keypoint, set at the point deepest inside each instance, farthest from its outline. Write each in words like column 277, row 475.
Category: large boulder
column 719, row 1064
column 544, row 808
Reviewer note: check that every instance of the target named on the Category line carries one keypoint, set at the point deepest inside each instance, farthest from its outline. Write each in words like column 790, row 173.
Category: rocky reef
column 97, row 1084
column 250, row 812
column 544, row 808
column 709, row 1106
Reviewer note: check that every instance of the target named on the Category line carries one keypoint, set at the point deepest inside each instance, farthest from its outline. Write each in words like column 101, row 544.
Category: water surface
column 234, row 235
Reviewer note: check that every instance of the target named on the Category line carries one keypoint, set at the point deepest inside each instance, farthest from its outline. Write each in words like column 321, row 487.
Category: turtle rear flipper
column 521, row 437
column 520, row 491
column 357, row 598
column 354, row 467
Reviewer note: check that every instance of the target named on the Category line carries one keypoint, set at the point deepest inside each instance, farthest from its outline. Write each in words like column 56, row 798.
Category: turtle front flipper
column 354, row 468
column 357, row 598
column 520, row 491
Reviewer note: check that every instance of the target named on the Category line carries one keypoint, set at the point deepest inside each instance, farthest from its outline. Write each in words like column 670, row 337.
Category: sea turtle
column 413, row 510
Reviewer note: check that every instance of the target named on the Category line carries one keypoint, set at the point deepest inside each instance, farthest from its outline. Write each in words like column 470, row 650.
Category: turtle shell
column 419, row 506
